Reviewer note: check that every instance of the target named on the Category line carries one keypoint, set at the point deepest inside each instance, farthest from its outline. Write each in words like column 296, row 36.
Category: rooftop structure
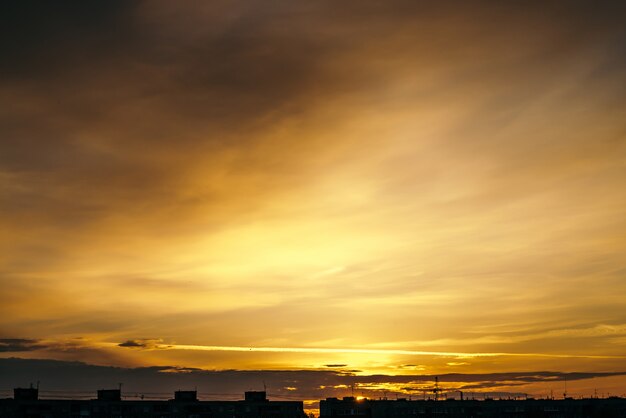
column 109, row 404
column 113, row 395
column 26, row 394
column 186, row 396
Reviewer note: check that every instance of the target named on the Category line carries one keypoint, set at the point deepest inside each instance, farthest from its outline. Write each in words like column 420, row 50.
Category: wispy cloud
column 318, row 350
column 147, row 343
column 511, row 336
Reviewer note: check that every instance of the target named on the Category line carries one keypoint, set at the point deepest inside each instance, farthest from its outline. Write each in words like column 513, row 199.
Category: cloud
column 161, row 381
column 8, row 345
column 342, row 350
column 79, row 348
column 148, row 343
column 132, row 343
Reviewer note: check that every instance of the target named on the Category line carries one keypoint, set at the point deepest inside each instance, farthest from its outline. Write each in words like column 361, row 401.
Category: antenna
column 565, row 391
column 264, row 387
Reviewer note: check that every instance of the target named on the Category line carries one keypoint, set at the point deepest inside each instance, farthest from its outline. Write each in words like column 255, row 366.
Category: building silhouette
column 185, row 404
column 109, row 404
column 529, row 408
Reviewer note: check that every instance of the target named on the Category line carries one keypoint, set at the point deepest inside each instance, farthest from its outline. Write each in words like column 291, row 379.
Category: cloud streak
column 19, row 344
column 318, row 350
column 9, row 345
column 144, row 343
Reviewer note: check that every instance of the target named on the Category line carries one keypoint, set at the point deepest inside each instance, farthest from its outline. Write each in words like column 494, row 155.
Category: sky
column 355, row 193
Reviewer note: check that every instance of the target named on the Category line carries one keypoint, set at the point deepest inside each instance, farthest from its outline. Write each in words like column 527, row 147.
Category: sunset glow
column 355, row 189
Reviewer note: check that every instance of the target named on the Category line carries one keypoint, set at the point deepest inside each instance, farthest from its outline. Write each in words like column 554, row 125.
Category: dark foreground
column 530, row 408
column 109, row 404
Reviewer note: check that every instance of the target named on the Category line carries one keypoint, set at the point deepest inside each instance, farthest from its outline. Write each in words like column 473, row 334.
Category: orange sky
column 397, row 188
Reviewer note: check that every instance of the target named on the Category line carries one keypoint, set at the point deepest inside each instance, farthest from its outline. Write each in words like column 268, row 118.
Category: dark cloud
column 335, row 365
column 71, row 349
column 114, row 87
column 143, row 343
column 111, row 71
column 45, row 40
column 8, row 345
column 71, row 376
column 132, row 343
